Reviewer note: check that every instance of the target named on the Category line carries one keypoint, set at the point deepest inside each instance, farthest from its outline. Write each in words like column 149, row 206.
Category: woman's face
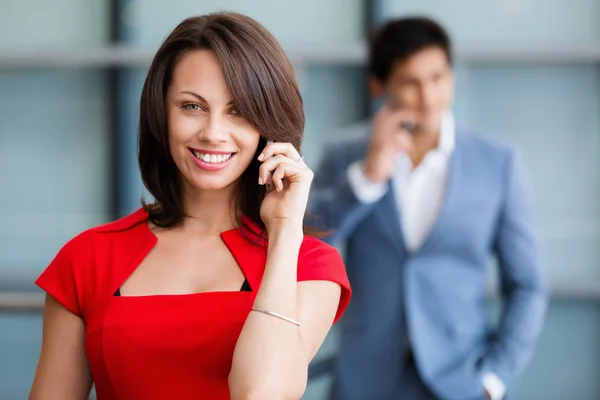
column 210, row 142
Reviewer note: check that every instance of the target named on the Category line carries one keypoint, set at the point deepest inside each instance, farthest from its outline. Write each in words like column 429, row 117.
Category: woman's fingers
column 280, row 167
column 273, row 149
column 291, row 173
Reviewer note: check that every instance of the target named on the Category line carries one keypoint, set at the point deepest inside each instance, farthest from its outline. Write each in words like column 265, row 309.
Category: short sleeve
column 322, row 262
column 60, row 279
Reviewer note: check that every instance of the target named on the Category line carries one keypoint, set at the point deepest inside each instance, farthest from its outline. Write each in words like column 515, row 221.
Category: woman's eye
column 192, row 106
column 235, row 111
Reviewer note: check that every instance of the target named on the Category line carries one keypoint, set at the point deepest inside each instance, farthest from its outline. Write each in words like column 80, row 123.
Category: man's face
column 423, row 84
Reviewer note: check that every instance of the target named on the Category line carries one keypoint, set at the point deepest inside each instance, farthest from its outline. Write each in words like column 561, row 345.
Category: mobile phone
column 408, row 126
column 269, row 183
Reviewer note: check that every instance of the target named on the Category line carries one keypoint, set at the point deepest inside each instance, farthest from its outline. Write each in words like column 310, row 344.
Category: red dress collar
column 248, row 244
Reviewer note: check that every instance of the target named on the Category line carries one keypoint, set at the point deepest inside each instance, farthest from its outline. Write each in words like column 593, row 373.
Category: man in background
column 420, row 206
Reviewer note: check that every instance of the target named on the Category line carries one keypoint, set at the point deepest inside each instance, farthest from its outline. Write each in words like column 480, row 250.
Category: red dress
column 164, row 346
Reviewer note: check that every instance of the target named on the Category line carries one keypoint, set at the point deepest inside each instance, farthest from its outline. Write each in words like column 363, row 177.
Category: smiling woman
column 212, row 290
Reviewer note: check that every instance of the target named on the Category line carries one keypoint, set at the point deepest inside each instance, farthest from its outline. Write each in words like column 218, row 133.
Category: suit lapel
column 389, row 217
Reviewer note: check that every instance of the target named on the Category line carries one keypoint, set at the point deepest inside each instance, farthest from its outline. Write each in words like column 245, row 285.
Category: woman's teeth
column 212, row 158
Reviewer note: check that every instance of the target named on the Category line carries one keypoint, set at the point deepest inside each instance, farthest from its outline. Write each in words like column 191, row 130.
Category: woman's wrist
column 286, row 236
column 286, row 231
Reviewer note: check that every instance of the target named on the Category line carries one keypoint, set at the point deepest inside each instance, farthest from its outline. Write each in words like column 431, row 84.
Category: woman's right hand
column 284, row 206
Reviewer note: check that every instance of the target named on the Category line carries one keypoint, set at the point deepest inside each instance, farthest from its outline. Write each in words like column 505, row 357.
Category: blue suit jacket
column 435, row 295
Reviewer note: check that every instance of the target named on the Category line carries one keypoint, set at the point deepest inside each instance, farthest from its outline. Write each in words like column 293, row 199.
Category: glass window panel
column 54, row 165
column 305, row 22
column 519, row 22
column 47, row 24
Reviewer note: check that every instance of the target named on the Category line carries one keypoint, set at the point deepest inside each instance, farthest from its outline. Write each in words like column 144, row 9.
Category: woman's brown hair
column 263, row 87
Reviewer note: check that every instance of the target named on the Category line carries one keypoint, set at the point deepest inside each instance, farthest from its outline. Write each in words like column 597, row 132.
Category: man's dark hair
column 399, row 39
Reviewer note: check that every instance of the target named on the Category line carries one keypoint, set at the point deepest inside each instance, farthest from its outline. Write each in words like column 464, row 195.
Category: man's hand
column 387, row 139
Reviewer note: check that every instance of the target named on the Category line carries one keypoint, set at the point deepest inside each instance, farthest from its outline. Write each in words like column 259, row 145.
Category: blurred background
column 71, row 73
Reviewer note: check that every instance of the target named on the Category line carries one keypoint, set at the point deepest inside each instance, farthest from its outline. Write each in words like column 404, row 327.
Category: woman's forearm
column 270, row 360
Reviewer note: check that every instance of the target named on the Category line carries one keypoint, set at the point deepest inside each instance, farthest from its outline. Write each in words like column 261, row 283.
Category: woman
column 211, row 291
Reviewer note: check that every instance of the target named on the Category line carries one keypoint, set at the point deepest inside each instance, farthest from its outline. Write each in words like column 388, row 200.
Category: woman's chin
column 211, row 184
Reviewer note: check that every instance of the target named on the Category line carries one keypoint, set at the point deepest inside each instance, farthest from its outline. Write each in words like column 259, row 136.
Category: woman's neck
column 208, row 212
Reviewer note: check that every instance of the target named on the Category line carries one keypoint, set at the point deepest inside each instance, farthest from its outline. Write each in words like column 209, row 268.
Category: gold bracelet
column 291, row 321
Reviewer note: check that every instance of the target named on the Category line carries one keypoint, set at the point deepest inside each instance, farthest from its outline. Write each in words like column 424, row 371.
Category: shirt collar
column 447, row 133
column 445, row 147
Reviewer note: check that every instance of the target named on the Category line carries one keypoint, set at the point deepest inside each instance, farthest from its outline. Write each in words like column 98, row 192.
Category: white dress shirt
column 420, row 194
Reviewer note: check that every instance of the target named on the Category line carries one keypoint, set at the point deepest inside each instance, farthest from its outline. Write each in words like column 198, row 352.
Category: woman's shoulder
column 109, row 245
column 106, row 243
column 319, row 261
column 95, row 257
column 312, row 246
column 318, row 257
